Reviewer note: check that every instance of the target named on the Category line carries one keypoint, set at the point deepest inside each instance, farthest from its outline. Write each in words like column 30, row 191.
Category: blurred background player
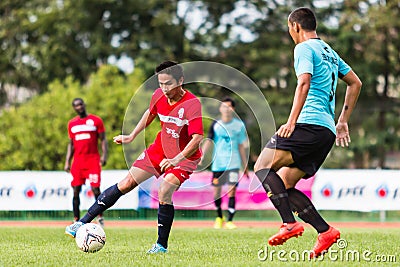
column 300, row 146
column 84, row 132
column 229, row 137
column 174, row 154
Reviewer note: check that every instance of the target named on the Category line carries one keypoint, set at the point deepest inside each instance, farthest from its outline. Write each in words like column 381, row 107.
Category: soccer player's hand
column 67, row 167
column 286, row 130
column 246, row 172
column 342, row 134
column 165, row 164
column 103, row 161
column 122, row 139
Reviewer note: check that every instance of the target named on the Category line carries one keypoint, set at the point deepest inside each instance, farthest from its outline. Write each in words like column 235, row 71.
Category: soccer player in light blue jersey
column 229, row 137
column 300, row 146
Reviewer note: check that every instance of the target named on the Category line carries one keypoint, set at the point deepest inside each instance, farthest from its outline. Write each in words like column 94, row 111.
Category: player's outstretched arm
column 352, row 92
column 146, row 119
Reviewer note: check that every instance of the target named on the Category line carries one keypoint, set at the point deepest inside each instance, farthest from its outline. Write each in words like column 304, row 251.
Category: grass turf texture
column 190, row 247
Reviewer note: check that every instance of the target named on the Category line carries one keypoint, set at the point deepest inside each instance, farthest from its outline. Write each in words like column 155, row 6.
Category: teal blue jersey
column 227, row 137
column 317, row 58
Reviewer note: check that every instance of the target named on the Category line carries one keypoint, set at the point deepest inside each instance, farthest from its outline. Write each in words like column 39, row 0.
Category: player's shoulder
column 158, row 92
column 238, row 122
column 191, row 99
column 190, row 95
column 73, row 120
column 94, row 117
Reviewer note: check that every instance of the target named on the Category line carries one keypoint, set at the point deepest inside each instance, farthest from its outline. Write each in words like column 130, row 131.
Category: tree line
column 60, row 49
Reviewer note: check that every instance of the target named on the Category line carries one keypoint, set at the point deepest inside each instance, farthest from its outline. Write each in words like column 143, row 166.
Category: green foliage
column 34, row 135
column 46, row 40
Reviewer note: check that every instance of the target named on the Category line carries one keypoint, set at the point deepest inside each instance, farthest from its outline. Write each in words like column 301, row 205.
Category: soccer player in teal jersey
column 300, row 146
column 229, row 155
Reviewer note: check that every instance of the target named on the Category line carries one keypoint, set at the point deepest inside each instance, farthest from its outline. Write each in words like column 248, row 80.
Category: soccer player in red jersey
column 174, row 154
column 84, row 132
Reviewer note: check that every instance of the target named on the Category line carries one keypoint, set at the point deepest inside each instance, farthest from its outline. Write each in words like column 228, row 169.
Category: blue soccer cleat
column 71, row 230
column 157, row 248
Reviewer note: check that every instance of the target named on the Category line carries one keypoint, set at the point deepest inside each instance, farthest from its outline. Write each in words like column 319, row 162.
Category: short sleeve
column 344, row 68
column 242, row 137
column 211, row 133
column 153, row 102
column 100, row 126
column 303, row 59
column 70, row 135
column 194, row 117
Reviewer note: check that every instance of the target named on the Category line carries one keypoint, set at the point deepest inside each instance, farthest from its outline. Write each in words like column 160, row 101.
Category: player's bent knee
column 127, row 184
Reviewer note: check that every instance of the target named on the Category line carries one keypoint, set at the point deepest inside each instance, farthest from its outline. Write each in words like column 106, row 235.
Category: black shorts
column 230, row 177
column 309, row 145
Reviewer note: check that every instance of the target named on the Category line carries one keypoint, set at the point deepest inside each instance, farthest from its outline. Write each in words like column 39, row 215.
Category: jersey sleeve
column 195, row 117
column 344, row 68
column 242, row 137
column 153, row 102
column 70, row 135
column 303, row 59
column 100, row 125
column 211, row 133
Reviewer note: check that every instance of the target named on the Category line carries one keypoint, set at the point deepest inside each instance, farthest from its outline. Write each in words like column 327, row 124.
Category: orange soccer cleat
column 287, row 230
column 325, row 241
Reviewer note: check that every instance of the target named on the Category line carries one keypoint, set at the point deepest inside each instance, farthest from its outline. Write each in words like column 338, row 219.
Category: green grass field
column 195, row 247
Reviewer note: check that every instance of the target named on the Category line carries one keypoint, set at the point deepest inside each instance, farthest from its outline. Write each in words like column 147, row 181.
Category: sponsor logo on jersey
column 83, row 128
column 82, row 136
column 172, row 132
column 180, row 113
column 170, row 119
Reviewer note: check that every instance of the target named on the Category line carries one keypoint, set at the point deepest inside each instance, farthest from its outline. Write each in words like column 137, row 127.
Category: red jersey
column 178, row 123
column 84, row 133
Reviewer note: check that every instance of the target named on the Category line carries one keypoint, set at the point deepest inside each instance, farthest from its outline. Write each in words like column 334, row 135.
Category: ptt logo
column 327, row 191
column 382, row 191
column 355, row 191
column 30, row 192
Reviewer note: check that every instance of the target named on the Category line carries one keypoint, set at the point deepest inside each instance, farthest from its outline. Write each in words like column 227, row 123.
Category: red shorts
column 150, row 160
column 89, row 168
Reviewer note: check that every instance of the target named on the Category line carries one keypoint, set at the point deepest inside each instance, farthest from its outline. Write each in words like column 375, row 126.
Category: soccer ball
column 90, row 237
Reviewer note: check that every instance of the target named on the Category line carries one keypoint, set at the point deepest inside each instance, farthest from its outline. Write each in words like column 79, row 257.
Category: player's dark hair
column 228, row 99
column 171, row 68
column 305, row 17
column 77, row 99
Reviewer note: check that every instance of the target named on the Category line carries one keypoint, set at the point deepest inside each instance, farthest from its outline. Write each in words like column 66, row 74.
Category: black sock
column 277, row 193
column 75, row 207
column 96, row 196
column 231, row 208
column 217, row 203
column 103, row 202
column 305, row 209
column 166, row 214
